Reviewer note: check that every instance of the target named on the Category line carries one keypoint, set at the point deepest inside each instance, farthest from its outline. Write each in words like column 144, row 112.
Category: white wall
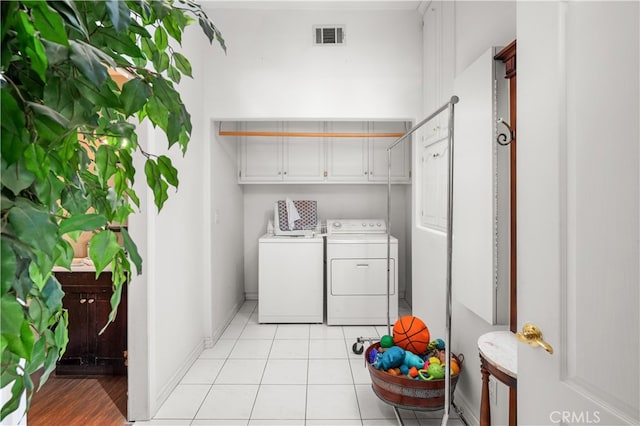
column 227, row 226
column 169, row 334
column 478, row 26
column 273, row 71
column 334, row 202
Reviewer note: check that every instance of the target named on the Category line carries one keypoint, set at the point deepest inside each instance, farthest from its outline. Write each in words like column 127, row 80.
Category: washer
column 356, row 271
column 290, row 279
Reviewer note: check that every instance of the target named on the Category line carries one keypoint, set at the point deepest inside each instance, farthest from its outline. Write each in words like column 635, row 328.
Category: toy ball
column 435, row 371
column 386, row 341
column 434, row 360
column 404, row 370
column 455, row 368
column 412, row 334
column 436, row 344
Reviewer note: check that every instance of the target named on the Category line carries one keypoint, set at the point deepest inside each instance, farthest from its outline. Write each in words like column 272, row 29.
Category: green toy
column 434, row 371
column 386, row 341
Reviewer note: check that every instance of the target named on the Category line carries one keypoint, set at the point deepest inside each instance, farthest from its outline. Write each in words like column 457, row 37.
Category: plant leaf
column 52, row 294
column 134, row 95
column 16, row 177
column 183, row 64
column 132, row 250
column 168, row 171
column 84, row 222
column 8, row 271
column 32, row 226
column 106, row 160
column 12, row 315
column 119, row 14
column 103, row 247
column 88, row 62
column 49, row 24
column 160, row 38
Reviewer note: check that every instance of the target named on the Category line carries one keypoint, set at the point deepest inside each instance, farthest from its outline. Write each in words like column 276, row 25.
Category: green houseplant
column 67, row 152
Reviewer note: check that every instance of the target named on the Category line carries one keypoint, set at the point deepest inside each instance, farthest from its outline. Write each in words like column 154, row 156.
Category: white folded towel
column 292, row 214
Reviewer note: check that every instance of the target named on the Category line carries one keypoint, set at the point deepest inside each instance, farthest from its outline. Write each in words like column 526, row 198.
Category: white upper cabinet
column 439, row 62
column 400, row 154
column 347, row 157
column 260, row 156
column 303, row 156
column 306, row 152
column 434, row 167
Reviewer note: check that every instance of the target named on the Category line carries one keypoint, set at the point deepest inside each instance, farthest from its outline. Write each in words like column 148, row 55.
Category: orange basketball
column 411, row 334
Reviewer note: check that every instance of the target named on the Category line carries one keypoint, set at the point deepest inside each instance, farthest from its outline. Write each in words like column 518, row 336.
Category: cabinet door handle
column 92, row 300
column 83, row 300
column 365, row 173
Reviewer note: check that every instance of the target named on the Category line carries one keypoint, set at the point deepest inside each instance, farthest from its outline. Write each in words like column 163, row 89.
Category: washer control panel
column 356, row 226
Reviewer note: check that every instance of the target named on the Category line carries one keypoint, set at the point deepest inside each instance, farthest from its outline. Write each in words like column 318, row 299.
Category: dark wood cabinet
column 87, row 300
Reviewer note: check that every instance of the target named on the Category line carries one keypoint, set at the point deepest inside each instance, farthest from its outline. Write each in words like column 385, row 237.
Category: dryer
column 356, row 272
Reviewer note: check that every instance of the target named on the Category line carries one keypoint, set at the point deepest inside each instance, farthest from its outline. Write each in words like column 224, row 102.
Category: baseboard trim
column 251, row 295
column 467, row 411
column 174, row 380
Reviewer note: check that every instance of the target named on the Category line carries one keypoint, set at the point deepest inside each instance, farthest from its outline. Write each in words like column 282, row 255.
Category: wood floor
column 83, row 401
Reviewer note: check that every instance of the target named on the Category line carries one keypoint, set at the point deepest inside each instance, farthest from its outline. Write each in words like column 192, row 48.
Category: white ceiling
column 314, row 4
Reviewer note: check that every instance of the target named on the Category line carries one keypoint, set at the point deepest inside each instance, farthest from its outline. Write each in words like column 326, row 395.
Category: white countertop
column 499, row 348
column 79, row 264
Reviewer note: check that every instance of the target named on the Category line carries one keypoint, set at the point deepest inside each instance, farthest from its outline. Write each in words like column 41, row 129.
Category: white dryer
column 356, row 273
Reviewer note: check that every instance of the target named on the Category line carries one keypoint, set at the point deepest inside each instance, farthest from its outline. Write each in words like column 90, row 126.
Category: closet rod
column 311, row 134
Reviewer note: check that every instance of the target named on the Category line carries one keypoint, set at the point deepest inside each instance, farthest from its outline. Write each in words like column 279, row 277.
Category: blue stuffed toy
column 391, row 358
column 413, row 360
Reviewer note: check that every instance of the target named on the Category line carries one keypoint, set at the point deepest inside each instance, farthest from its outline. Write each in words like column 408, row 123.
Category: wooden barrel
column 407, row 393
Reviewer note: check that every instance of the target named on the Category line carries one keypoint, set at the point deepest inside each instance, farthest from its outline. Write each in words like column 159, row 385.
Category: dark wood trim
column 508, row 56
column 485, row 407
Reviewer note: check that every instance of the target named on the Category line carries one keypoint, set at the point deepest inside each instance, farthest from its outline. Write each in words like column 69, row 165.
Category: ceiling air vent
column 328, row 35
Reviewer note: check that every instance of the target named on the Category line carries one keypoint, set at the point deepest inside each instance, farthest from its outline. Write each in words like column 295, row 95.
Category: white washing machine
column 356, row 263
column 290, row 279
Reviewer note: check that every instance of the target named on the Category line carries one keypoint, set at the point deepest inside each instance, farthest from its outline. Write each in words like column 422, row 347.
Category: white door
column 578, row 214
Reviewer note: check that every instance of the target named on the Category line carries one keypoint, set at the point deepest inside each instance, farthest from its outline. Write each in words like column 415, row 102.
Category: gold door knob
column 532, row 335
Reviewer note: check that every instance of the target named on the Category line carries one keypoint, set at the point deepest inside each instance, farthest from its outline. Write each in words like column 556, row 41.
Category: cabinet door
column 75, row 302
column 261, row 156
column 400, row 154
column 431, row 41
column 434, row 183
column 304, row 156
column 347, row 157
column 109, row 347
column 439, row 65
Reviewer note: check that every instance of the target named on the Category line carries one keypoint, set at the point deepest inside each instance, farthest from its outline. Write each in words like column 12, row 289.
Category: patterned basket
column 410, row 394
column 308, row 210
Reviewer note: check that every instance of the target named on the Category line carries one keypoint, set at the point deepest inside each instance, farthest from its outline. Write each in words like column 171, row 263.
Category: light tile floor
column 284, row 374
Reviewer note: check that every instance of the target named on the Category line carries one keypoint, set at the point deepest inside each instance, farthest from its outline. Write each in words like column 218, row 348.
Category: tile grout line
column 221, row 368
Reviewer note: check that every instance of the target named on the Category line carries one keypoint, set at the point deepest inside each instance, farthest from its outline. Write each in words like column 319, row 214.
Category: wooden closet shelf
column 312, row 134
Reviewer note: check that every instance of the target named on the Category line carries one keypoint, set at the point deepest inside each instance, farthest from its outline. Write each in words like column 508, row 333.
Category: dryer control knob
column 379, row 224
column 337, row 224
